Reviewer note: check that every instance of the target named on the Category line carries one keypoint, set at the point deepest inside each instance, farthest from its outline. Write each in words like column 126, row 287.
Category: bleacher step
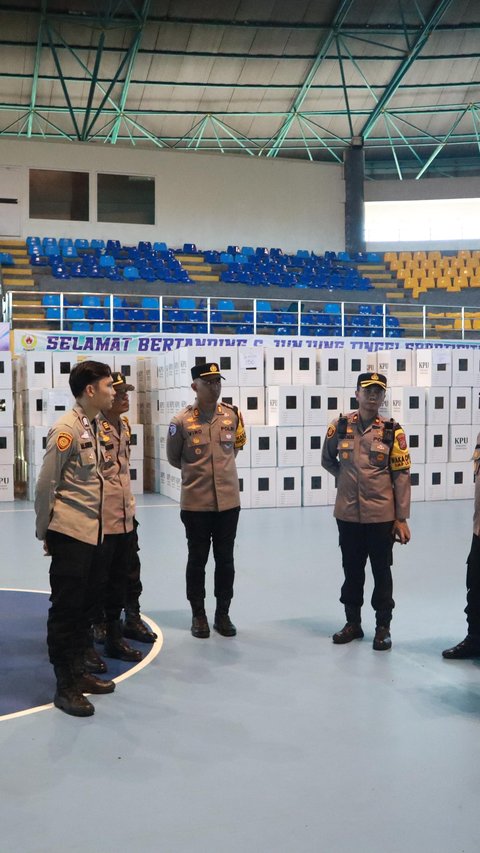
column 198, row 277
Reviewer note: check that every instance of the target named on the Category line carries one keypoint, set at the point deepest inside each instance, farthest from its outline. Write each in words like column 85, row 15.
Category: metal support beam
column 341, row 14
column 439, row 10
column 36, row 67
column 133, row 51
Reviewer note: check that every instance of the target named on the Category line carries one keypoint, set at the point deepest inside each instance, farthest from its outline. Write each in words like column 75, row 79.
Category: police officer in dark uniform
column 369, row 458
column 203, row 440
column 470, row 646
column 69, row 515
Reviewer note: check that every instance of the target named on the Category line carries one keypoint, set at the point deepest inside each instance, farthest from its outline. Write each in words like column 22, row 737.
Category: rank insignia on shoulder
column 64, row 440
column 219, row 410
column 331, row 430
column 172, row 429
column 402, row 441
column 86, row 422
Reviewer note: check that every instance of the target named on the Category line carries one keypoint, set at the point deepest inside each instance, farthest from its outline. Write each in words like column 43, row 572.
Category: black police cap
column 206, row 371
column 366, row 379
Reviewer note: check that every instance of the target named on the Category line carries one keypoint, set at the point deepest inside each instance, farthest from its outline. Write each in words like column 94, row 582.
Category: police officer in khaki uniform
column 470, row 646
column 202, row 441
column 133, row 627
column 68, row 506
column 118, row 547
column 369, row 457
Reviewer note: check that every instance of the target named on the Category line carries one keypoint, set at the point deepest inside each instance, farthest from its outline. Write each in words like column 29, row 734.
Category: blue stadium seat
column 95, row 314
column 131, row 273
column 226, row 305
column 75, row 314
column 186, row 303
column 52, row 314
column 51, row 299
column 80, row 326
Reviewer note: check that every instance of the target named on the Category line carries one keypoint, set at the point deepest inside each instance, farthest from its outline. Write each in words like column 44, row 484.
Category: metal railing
column 104, row 312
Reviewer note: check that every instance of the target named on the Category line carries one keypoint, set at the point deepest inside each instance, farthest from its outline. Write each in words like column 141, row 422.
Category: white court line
column 155, row 649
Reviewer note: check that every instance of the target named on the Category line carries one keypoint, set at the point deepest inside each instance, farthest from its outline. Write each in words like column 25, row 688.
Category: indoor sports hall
column 290, row 192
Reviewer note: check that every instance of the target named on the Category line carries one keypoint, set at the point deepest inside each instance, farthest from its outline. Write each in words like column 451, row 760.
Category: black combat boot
column 382, row 641
column 133, row 626
column 115, row 645
column 200, row 627
column 468, row 648
column 68, row 696
column 92, row 660
column 87, row 682
column 99, row 631
column 352, row 630
column 222, row 623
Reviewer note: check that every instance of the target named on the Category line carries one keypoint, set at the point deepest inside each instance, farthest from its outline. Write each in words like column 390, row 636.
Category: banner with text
column 151, row 344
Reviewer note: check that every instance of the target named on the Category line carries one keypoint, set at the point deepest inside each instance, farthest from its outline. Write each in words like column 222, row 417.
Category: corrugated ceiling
column 272, row 79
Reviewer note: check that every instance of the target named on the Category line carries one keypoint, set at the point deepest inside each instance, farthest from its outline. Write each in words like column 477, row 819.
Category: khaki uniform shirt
column 373, row 478
column 204, row 450
column 69, row 491
column 476, row 511
column 118, row 501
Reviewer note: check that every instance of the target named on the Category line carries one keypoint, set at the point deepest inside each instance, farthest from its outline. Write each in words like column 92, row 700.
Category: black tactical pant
column 76, row 583
column 359, row 542
column 473, row 589
column 114, row 557
column 219, row 529
column 134, row 584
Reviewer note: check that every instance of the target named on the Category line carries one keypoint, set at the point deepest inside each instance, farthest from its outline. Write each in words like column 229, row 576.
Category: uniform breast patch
column 172, row 429
column 331, row 431
column 64, row 441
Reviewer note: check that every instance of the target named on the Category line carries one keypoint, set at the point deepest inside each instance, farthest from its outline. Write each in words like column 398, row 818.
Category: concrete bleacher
column 209, row 276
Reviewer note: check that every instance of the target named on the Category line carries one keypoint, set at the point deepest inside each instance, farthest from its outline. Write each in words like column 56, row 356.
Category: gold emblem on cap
column 213, row 368
column 374, row 376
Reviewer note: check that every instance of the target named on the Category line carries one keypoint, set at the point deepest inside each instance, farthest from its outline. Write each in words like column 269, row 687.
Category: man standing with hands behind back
column 69, row 521
column 369, row 458
column 203, row 440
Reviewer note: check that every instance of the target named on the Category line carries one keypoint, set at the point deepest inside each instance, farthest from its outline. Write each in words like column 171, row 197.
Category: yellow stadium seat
column 461, row 281
column 457, row 324
column 410, row 283
column 419, row 256
column 475, row 281
column 476, row 325
column 396, row 265
column 434, row 256
column 444, row 281
column 427, row 265
column 405, row 256
column 403, row 274
column 388, row 257
column 464, row 254
column 443, row 264
column 427, row 283
column 476, row 257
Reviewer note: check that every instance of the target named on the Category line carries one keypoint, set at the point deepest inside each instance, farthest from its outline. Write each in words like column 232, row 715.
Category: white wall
column 429, row 188
column 208, row 199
